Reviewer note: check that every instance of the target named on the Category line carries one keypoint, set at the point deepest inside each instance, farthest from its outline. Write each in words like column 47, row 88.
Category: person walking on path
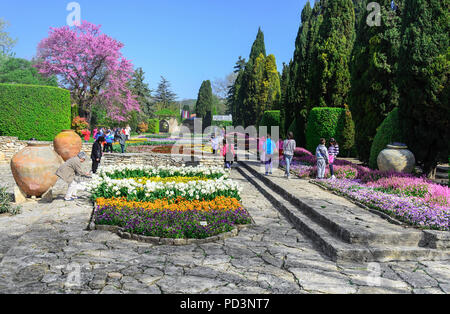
column 322, row 158
column 269, row 149
column 215, row 144
column 228, row 154
column 109, row 142
column 94, row 133
column 289, row 146
column 333, row 152
column 67, row 173
column 122, row 141
column 128, row 132
column 97, row 154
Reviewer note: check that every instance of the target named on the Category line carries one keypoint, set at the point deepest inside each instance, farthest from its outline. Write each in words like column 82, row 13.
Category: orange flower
column 220, row 203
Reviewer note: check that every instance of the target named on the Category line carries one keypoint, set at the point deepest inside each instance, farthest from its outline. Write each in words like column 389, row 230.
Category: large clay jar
column 67, row 144
column 397, row 158
column 34, row 168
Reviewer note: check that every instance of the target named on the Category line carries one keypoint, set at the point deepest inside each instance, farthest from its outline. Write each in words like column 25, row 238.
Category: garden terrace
column 345, row 230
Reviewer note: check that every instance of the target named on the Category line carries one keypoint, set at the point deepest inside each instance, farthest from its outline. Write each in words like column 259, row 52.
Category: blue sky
column 186, row 41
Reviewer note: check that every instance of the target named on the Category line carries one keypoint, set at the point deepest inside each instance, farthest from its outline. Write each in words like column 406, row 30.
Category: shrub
column 28, row 111
column 166, row 113
column 5, row 203
column 348, row 133
column 153, row 126
column 79, row 124
column 270, row 119
column 325, row 123
column 388, row 132
column 142, row 127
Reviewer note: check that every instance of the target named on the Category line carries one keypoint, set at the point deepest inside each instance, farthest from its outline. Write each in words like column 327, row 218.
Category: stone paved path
column 47, row 250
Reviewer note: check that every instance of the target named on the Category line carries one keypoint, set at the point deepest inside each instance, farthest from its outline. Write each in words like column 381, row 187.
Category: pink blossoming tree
column 90, row 65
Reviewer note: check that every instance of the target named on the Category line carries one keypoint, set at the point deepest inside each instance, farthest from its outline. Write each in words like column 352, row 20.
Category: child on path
column 228, row 154
column 333, row 152
column 322, row 158
column 214, row 143
column 269, row 149
column 289, row 146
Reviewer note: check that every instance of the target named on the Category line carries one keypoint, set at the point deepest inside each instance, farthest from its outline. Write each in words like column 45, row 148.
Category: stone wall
column 9, row 146
column 156, row 160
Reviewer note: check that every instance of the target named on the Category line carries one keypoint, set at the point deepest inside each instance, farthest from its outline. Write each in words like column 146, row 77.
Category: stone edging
column 166, row 241
column 162, row 241
column 373, row 211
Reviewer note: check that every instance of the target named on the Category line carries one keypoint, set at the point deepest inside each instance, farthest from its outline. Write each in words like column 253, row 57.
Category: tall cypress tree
column 296, row 98
column 374, row 91
column 423, row 80
column 233, row 92
column 203, row 107
column 335, row 43
column 248, row 92
column 272, row 77
column 284, row 85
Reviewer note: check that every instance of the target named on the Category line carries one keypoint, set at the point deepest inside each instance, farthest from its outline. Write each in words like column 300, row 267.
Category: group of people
column 324, row 156
column 220, row 143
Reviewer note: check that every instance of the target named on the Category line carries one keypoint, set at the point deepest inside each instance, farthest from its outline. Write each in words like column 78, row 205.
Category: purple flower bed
column 417, row 201
column 413, row 210
column 172, row 224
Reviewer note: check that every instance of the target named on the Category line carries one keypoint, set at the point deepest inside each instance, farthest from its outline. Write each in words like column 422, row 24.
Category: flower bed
column 412, row 210
column 416, row 201
column 168, row 202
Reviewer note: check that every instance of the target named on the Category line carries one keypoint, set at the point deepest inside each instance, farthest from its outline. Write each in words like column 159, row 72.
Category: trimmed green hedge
column 388, row 132
column 324, row 123
column 28, row 111
column 270, row 118
column 153, row 126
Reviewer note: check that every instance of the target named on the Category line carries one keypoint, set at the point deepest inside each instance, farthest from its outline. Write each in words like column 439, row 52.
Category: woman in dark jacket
column 97, row 153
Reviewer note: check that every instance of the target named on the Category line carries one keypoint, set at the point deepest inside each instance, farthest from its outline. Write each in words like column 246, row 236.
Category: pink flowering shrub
column 417, row 187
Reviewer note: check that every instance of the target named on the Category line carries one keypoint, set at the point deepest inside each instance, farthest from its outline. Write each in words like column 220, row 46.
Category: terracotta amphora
column 67, row 144
column 34, row 168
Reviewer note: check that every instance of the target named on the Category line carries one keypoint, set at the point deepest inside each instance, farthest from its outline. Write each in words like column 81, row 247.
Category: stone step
column 345, row 220
column 442, row 175
column 443, row 168
column 335, row 248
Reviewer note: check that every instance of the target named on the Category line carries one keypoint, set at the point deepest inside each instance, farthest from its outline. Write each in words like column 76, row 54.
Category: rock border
column 169, row 241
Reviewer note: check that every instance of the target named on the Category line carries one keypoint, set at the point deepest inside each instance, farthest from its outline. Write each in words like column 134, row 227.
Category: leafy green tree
column 21, row 71
column 6, row 42
column 423, row 72
column 374, row 92
column 203, row 107
column 143, row 93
